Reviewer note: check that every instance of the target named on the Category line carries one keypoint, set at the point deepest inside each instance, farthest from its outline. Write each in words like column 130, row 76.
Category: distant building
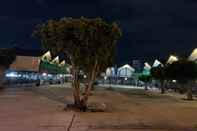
column 126, row 71
column 37, row 61
column 157, row 63
column 26, row 60
column 193, row 56
column 27, row 63
column 172, row 59
column 137, row 65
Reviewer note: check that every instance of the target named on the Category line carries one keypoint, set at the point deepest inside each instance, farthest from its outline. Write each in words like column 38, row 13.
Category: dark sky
column 151, row 28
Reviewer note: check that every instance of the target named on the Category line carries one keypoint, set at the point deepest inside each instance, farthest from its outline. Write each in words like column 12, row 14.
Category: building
column 126, row 71
column 26, row 60
column 27, row 63
column 37, row 61
column 137, row 65
column 193, row 56
column 172, row 59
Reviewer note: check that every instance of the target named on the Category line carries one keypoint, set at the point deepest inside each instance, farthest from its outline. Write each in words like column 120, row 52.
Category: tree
column 159, row 74
column 7, row 57
column 145, row 79
column 88, row 43
column 185, row 72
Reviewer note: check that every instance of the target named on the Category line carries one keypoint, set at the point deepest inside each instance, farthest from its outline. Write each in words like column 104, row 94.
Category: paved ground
column 24, row 110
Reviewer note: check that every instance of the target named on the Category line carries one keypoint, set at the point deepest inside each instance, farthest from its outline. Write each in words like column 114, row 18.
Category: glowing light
column 44, row 74
column 174, row 81
column 49, row 75
column 110, row 71
column 105, row 77
column 125, row 78
column 61, row 75
column 12, row 75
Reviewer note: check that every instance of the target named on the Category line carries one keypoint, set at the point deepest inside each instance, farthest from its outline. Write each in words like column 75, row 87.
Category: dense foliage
column 88, row 43
column 182, row 70
column 185, row 72
column 159, row 73
column 7, row 57
column 145, row 78
column 84, row 40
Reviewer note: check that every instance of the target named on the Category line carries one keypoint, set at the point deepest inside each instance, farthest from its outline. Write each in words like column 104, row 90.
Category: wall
column 27, row 63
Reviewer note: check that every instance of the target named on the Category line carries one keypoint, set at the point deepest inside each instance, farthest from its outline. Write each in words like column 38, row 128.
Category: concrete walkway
column 23, row 110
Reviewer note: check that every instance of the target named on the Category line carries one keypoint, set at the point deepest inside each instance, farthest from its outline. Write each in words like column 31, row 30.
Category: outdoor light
column 49, row 75
column 125, row 78
column 174, row 81
column 61, row 75
column 19, row 75
column 44, row 74
column 68, row 69
column 105, row 77
column 12, row 75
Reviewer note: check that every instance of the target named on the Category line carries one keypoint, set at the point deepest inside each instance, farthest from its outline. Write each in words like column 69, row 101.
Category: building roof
column 156, row 63
column 193, row 56
column 172, row 59
column 126, row 66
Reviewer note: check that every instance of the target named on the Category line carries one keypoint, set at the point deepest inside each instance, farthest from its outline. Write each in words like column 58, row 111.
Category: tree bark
column 76, row 93
column 76, row 88
column 84, row 99
column 2, row 75
column 162, row 87
column 146, row 87
column 189, row 93
column 91, row 78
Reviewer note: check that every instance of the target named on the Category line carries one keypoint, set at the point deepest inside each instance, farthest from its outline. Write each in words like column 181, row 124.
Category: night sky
column 151, row 28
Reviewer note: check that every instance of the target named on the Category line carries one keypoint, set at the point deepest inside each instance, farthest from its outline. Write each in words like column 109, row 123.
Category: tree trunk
column 146, row 87
column 189, row 93
column 2, row 75
column 88, row 89
column 162, row 90
column 76, row 93
column 84, row 99
column 76, row 88
column 162, row 87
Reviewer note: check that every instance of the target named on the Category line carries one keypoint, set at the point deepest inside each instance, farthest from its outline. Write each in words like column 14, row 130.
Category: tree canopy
column 185, row 72
column 182, row 70
column 158, row 72
column 89, row 44
column 145, row 78
column 84, row 40
column 7, row 57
